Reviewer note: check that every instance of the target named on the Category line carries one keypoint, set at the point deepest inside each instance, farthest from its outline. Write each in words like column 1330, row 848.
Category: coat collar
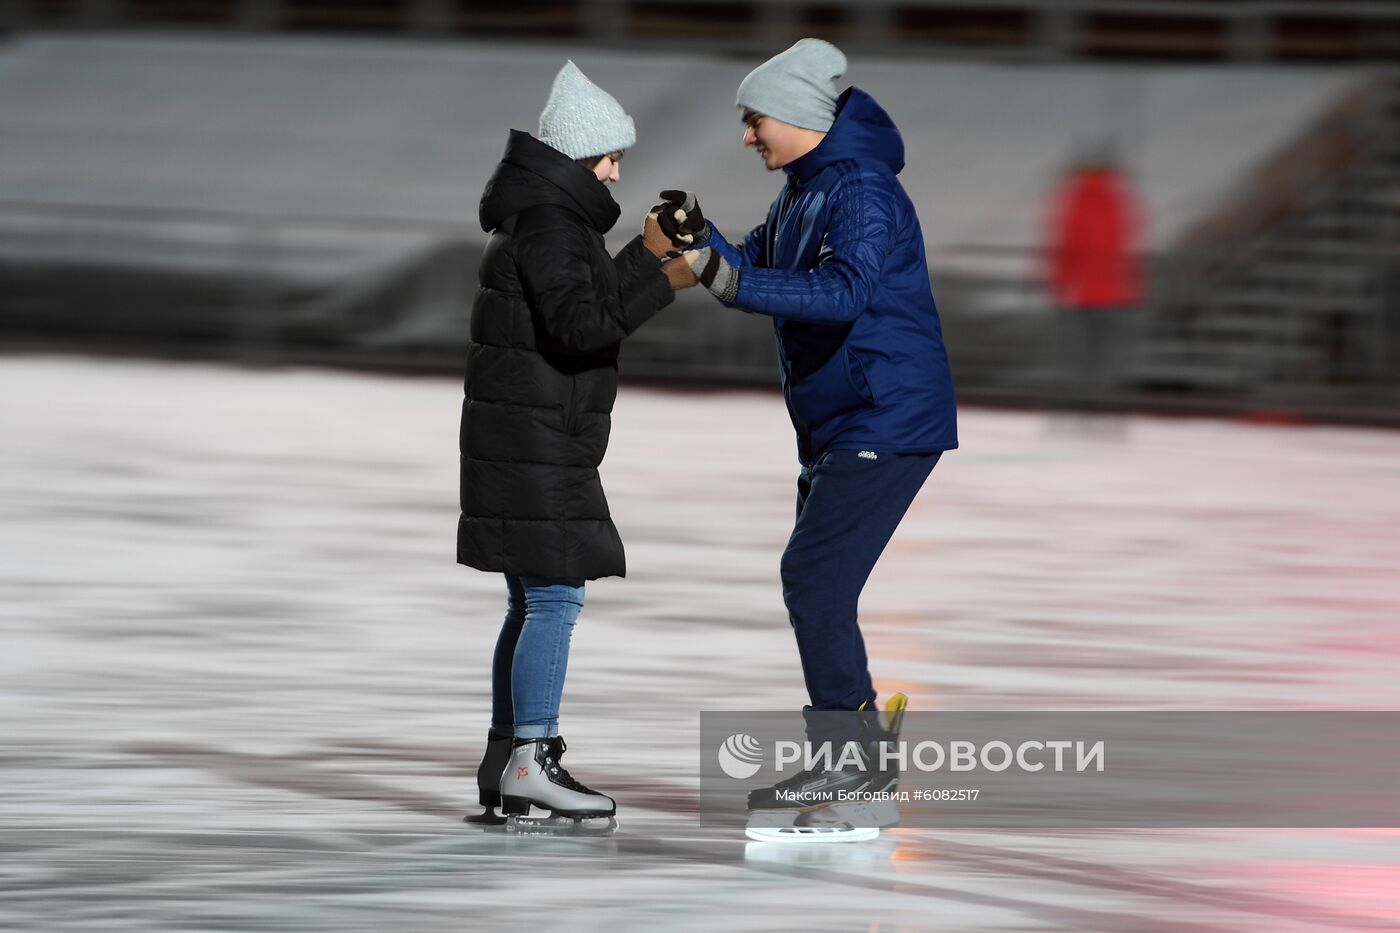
column 531, row 173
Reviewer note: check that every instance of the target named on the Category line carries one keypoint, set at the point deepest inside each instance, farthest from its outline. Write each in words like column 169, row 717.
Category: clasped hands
column 670, row 228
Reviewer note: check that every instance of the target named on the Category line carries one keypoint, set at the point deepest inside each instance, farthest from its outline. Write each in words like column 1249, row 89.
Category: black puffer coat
column 551, row 311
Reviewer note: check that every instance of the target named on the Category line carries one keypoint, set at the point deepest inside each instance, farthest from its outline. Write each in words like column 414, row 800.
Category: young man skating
column 839, row 265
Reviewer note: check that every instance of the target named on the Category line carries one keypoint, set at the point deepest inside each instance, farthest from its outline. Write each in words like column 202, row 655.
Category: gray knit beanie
column 580, row 119
column 797, row 86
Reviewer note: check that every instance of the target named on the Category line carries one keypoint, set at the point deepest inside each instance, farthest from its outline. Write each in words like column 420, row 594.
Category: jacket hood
column 531, row 174
column 862, row 130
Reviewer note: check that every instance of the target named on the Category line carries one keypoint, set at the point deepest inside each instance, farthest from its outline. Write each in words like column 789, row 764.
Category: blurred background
column 1140, row 204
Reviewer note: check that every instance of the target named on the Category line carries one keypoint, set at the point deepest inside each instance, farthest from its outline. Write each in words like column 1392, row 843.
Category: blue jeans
column 849, row 504
column 532, row 655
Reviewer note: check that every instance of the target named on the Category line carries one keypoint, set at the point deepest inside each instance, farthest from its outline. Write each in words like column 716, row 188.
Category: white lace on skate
column 560, row 775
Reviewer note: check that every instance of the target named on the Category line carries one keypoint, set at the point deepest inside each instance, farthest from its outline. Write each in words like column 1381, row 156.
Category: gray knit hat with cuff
column 797, row 86
column 580, row 119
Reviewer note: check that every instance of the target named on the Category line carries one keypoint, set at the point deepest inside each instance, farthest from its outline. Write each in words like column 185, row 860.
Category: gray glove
column 714, row 273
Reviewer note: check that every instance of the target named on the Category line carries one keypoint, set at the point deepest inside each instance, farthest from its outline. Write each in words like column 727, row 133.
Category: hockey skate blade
column 871, row 853
column 809, row 835
column 882, row 814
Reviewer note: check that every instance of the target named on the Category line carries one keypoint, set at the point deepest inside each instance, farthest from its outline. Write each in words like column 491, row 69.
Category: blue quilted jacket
column 839, row 265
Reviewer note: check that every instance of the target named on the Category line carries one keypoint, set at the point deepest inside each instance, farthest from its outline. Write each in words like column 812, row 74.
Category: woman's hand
column 655, row 240
column 679, row 274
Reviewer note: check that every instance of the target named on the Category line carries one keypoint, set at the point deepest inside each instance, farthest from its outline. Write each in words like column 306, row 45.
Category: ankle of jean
column 543, row 731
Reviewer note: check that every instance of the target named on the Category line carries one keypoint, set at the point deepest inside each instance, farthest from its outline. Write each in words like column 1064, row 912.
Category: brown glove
column 679, row 274
column 656, row 241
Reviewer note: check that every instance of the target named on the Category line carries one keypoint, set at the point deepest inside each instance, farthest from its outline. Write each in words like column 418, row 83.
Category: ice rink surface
column 243, row 685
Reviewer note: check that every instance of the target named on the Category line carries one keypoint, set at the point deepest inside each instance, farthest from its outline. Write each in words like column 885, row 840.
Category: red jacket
column 1093, row 242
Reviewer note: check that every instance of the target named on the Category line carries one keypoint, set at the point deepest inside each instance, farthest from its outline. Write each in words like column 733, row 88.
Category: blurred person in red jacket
column 1094, row 271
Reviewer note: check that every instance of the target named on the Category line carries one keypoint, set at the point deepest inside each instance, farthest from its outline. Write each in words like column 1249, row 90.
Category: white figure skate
column 534, row 777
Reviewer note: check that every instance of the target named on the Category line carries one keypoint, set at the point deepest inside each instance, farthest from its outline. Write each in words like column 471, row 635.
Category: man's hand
column 681, row 220
column 654, row 238
column 714, row 273
column 679, row 274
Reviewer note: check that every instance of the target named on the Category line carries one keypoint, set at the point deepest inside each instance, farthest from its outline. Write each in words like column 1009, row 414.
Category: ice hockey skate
column 534, row 777
column 488, row 779
column 856, row 821
column 842, row 803
column 890, row 724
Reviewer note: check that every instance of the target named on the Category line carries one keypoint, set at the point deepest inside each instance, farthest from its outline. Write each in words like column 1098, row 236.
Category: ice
column 244, row 686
